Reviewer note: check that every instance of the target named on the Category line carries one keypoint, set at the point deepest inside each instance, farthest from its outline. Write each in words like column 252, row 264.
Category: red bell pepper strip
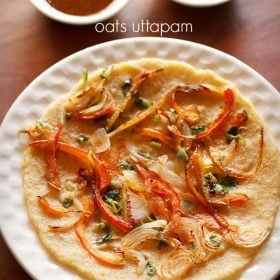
column 217, row 124
column 113, row 220
column 162, row 197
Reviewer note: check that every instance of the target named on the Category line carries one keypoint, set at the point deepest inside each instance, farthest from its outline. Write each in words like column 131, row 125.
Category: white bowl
column 45, row 8
column 201, row 3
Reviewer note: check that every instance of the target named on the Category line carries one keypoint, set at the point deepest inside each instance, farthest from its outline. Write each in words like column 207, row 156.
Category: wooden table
column 30, row 43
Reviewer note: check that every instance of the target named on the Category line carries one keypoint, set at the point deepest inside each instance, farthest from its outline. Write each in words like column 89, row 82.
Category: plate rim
column 65, row 60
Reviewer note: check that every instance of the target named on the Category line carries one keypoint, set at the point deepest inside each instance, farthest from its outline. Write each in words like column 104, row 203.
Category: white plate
column 57, row 80
column 201, row 3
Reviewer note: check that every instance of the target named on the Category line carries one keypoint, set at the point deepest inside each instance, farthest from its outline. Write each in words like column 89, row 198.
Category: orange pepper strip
column 49, row 209
column 67, row 148
column 52, row 176
column 104, row 258
column 154, row 134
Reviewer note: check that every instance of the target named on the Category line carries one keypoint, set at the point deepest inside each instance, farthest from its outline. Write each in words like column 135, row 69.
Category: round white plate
column 201, row 3
column 58, row 80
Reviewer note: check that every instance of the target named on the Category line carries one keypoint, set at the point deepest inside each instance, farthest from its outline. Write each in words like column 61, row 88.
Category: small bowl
column 201, row 3
column 45, row 8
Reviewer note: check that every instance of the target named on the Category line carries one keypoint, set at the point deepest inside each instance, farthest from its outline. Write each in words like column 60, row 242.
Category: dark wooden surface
column 30, row 43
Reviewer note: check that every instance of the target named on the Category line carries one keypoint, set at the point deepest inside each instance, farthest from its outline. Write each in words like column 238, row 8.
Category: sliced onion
column 139, row 257
column 100, row 141
column 134, row 180
column 171, row 177
column 84, row 98
column 97, row 107
column 190, row 231
column 177, row 263
column 139, row 207
column 145, row 232
column 249, row 237
column 65, row 226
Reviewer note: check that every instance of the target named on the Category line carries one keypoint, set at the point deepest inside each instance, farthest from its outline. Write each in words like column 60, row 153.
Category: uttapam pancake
column 151, row 169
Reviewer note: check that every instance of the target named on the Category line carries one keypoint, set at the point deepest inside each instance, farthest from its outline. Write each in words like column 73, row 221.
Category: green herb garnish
column 104, row 238
column 102, row 225
column 125, row 165
column 113, row 198
column 85, row 78
column 181, row 155
column 233, row 134
column 67, row 202
column 215, row 240
column 151, row 270
column 106, row 72
column 196, row 129
column 223, row 186
column 126, row 87
column 82, row 138
column 143, row 103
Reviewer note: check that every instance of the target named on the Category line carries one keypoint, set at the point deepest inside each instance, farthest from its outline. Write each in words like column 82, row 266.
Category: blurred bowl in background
column 201, row 3
column 45, row 8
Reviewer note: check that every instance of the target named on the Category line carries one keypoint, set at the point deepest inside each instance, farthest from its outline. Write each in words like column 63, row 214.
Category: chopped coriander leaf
column 223, row 186
column 215, row 240
column 155, row 144
column 125, row 165
column 70, row 186
column 156, row 117
column 196, row 129
column 102, row 225
column 151, row 270
column 104, row 238
column 113, row 198
column 181, row 155
column 228, row 183
column 82, row 139
column 106, row 72
column 143, row 103
column 102, row 74
column 85, row 78
column 232, row 134
column 126, row 87
column 67, row 202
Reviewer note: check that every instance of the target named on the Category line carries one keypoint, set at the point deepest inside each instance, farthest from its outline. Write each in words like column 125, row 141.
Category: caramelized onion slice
column 248, row 237
column 145, row 232
column 138, row 257
column 176, row 264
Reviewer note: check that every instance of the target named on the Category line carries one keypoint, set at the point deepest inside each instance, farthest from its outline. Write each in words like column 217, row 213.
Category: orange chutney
column 79, row 7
